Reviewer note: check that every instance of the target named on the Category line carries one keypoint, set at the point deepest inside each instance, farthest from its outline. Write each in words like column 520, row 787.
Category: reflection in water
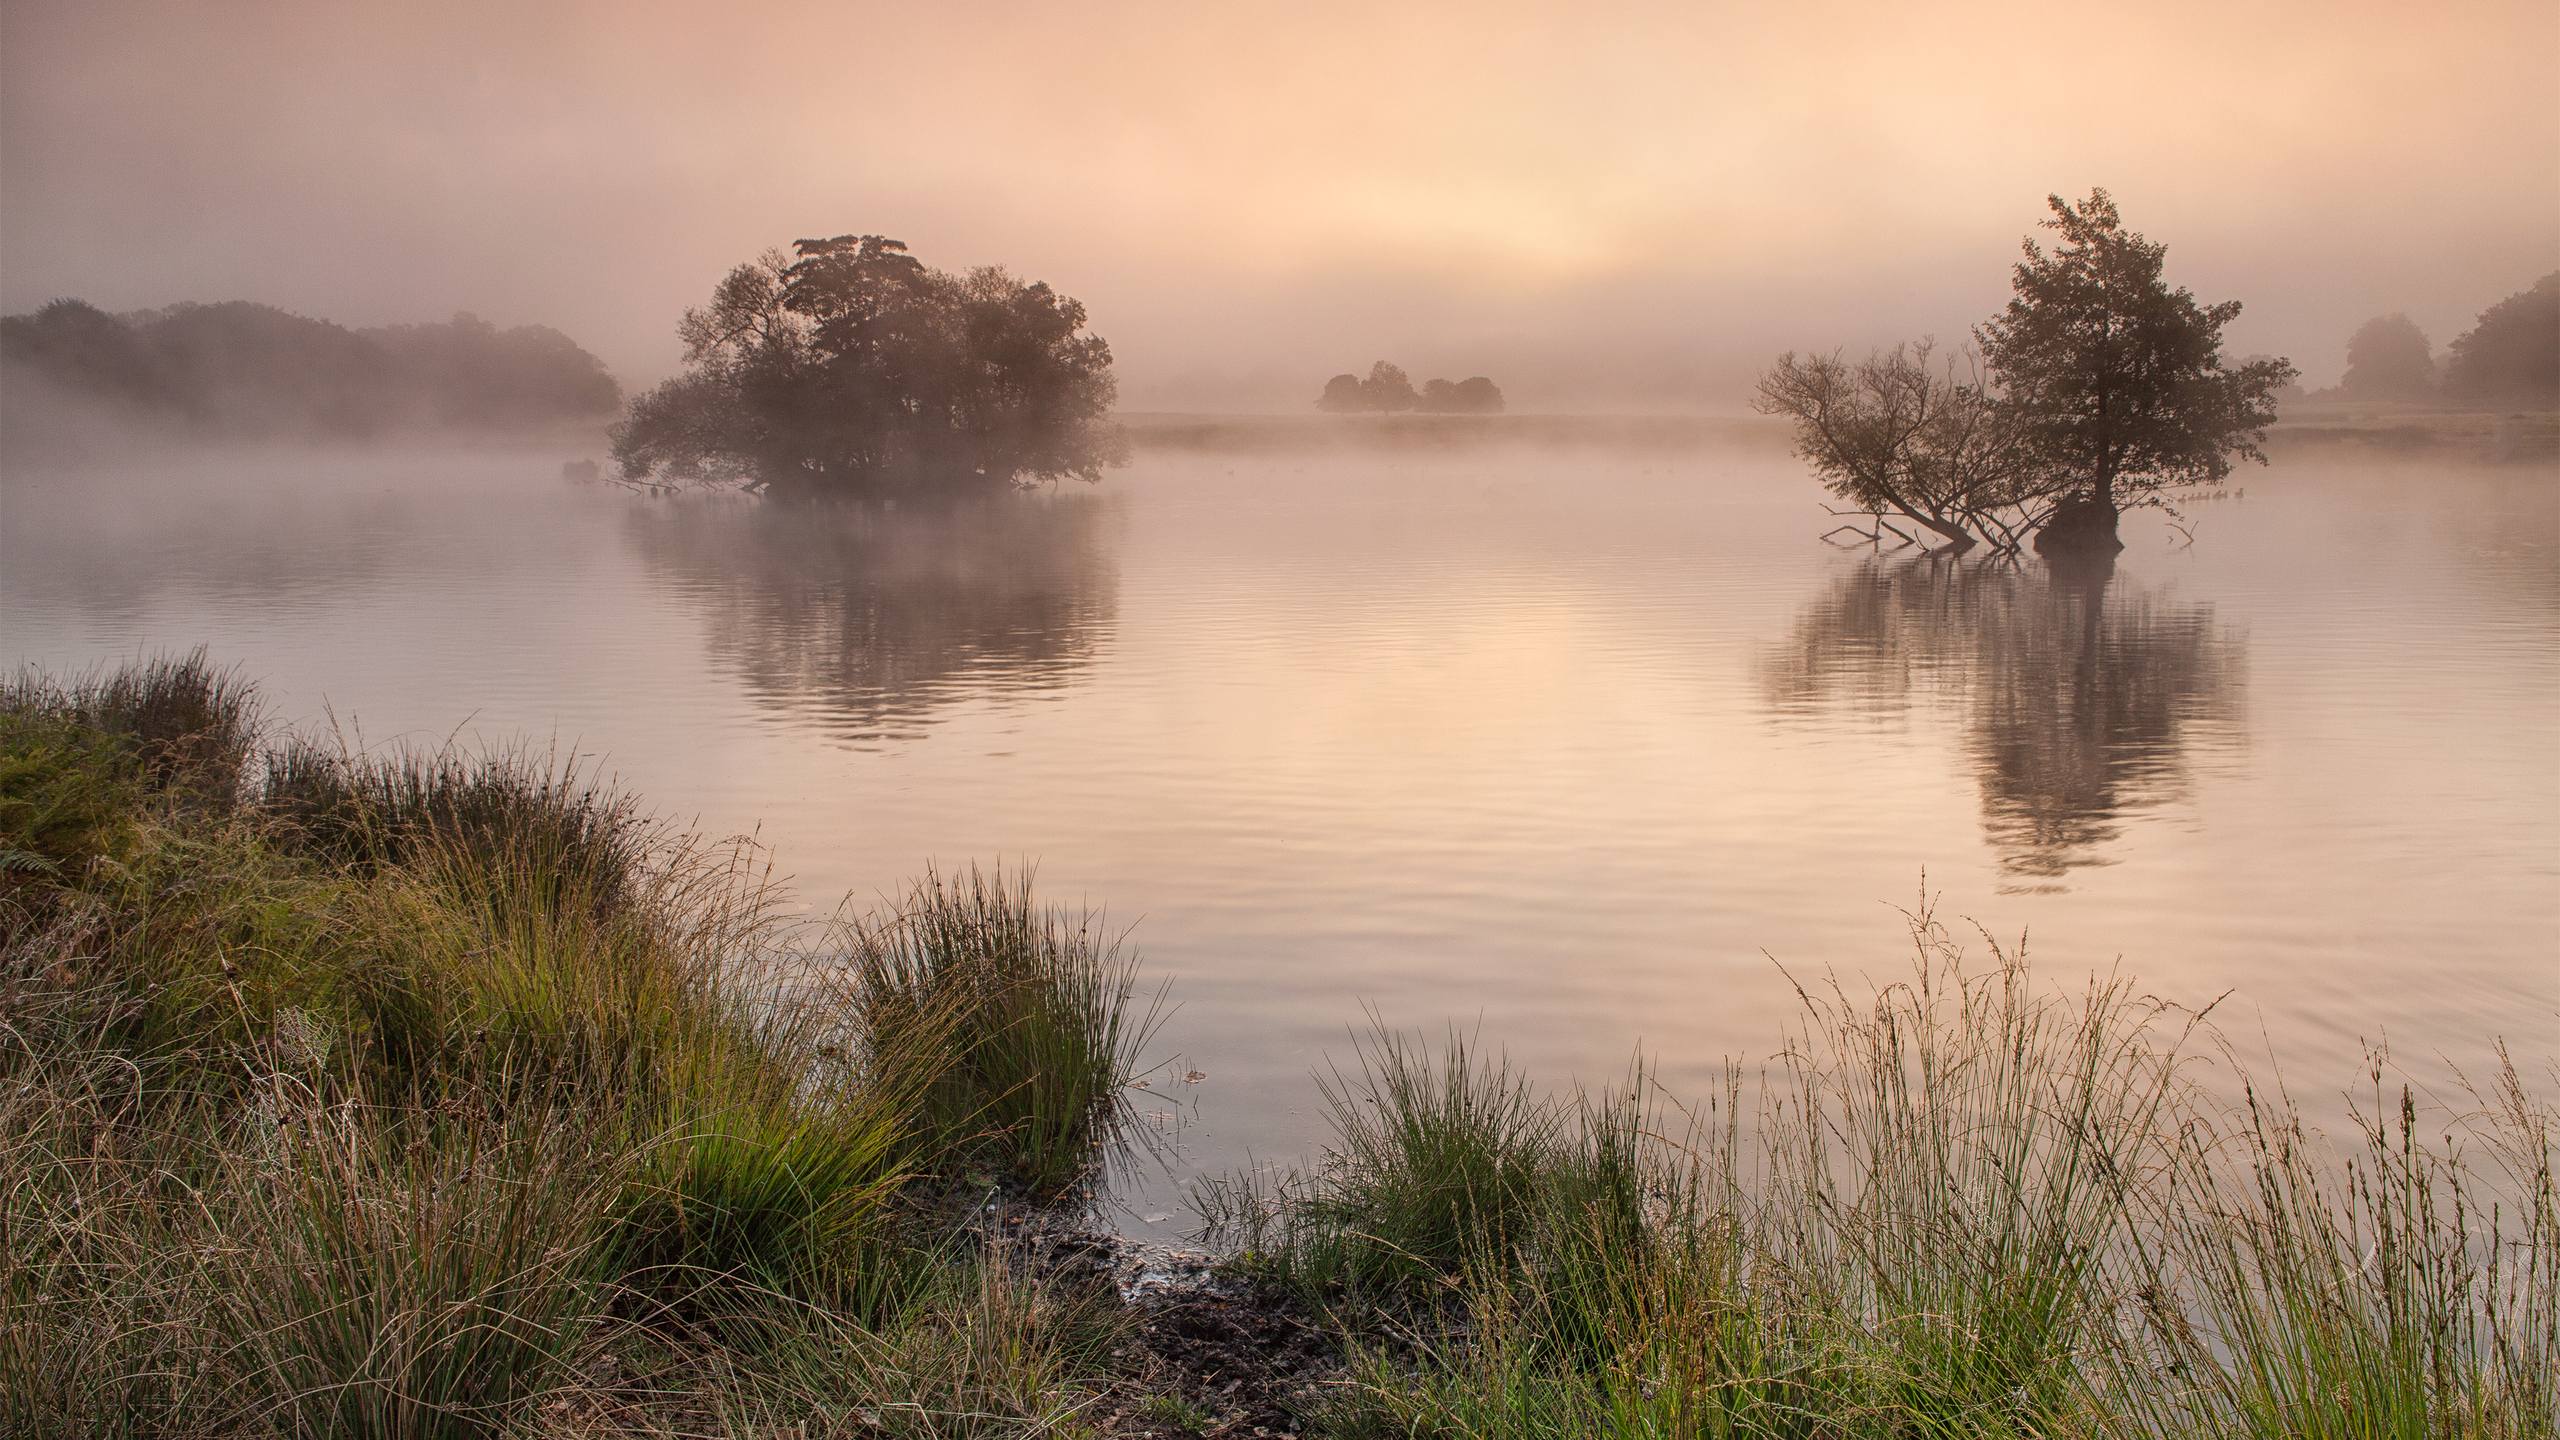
column 2080, row 692
column 866, row 621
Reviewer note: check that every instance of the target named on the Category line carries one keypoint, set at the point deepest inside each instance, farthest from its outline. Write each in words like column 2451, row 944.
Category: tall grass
column 79, row 757
column 186, row 723
column 552, row 821
column 2409, row 1286
column 391, row 1095
column 1956, row 1205
column 983, row 1351
column 1022, row 1024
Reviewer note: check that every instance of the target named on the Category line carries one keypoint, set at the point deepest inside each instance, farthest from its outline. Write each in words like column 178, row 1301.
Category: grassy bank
column 454, row 1096
column 2509, row 436
column 353, row 1095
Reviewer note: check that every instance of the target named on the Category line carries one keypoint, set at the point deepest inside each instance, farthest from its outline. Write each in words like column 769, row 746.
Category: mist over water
column 1580, row 743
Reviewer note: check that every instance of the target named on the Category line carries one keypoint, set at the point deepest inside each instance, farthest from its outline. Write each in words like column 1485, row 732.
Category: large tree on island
column 852, row 369
column 2116, row 378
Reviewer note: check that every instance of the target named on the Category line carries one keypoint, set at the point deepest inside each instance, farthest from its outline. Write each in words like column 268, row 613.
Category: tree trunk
column 2081, row 525
column 1957, row 537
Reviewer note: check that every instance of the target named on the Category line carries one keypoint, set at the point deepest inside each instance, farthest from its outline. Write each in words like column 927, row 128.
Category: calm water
column 1575, row 745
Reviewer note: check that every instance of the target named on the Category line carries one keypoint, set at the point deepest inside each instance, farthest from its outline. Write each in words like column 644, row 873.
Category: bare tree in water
column 1903, row 435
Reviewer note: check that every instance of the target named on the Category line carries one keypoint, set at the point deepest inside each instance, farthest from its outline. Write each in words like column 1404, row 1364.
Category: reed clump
column 1018, row 1025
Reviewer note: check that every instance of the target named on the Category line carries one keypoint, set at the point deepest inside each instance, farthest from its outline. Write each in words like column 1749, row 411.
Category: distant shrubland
column 236, row 368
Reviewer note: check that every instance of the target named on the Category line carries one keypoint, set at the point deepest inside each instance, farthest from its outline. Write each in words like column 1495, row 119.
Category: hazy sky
column 1587, row 202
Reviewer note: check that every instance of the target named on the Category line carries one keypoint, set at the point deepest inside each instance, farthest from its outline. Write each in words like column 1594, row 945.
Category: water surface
column 1583, row 747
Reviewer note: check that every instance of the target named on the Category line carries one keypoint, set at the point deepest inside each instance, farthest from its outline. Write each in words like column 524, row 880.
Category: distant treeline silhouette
column 2510, row 356
column 1389, row 390
column 239, row 368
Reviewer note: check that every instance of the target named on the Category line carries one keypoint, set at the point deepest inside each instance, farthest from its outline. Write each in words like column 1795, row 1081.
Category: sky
column 1600, row 205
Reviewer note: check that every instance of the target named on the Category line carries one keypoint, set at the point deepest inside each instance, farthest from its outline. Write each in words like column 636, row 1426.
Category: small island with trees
column 1388, row 391
column 849, row 369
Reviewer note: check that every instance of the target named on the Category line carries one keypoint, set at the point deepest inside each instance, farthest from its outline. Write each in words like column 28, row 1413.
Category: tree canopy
column 239, row 368
column 851, row 368
column 1474, row 395
column 2512, row 355
column 2388, row 358
column 2115, row 377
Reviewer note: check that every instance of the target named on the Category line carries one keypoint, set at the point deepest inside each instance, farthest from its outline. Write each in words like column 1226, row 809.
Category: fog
column 1630, row 213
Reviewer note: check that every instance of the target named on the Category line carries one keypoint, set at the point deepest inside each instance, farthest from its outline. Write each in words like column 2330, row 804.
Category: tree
column 850, row 368
column 1475, row 395
column 1387, row 388
column 2116, row 379
column 2388, row 358
column 1342, row 395
column 2512, row 355
column 471, row 373
column 1900, row 434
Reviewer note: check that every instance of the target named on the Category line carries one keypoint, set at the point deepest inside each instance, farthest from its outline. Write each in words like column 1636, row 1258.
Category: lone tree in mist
column 2512, row 356
column 851, row 369
column 1342, row 396
column 2388, row 358
column 1904, row 435
column 2115, row 379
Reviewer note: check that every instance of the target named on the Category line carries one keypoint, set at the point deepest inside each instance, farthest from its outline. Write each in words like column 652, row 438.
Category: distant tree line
column 850, row 369
column 250, row 370
column 2099, row 387
column 2509, row 356
column 1388, row 390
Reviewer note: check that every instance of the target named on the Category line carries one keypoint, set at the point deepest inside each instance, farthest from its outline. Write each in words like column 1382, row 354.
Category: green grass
column 403, row 1096
column 1957, row 1205
column 1020, row 1025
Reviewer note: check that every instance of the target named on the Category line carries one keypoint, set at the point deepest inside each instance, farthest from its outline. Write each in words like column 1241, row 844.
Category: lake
column 1585, row 747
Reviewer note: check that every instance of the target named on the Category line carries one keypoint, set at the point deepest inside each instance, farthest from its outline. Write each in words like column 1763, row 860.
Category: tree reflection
column 2080, row 692
column 868, row 621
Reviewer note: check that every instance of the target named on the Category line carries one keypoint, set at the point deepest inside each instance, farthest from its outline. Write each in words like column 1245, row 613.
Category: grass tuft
column 1019, row 1025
